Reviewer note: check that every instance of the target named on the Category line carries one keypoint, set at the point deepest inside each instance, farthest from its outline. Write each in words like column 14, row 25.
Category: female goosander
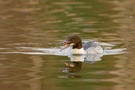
column 75, row 42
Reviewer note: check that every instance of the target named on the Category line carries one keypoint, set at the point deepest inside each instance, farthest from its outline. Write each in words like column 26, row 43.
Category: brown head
column 73, row 40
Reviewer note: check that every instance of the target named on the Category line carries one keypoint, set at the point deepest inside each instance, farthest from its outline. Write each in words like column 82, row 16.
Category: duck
column 78, row 47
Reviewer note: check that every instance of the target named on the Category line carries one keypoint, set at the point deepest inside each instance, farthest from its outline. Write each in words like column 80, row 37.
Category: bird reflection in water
column 71, row 68
column 74, row 66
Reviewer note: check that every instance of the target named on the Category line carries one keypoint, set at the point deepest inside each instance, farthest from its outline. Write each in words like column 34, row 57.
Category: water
column 31, row 32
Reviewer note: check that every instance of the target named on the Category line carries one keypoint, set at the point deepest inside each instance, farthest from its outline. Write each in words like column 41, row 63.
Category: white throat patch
column 78, row 51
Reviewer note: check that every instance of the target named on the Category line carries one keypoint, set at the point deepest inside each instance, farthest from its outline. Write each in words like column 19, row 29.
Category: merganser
column 78, row 47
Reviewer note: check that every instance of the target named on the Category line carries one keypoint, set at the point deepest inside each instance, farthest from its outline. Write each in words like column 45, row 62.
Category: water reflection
column 76, row 62
column 71, row 69
column 34, row 82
